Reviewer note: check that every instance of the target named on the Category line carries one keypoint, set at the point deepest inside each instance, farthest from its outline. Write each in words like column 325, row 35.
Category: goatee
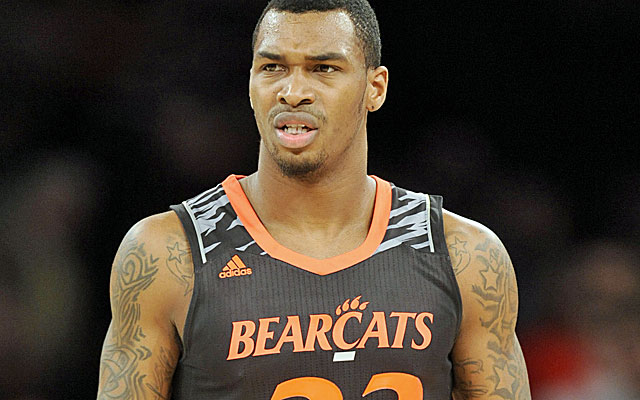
column 305, row 170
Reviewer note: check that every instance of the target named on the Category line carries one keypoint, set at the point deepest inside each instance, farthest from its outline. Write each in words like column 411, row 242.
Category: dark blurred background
column 525, row 116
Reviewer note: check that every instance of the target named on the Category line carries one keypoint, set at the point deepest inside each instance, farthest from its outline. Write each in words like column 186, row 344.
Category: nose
column 296, row 90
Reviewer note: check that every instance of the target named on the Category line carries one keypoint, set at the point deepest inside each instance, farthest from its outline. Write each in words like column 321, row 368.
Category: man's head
column 360, row 12
column 311, row 86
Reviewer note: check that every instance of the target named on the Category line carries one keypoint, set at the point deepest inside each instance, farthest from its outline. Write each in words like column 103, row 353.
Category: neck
column 306, row 205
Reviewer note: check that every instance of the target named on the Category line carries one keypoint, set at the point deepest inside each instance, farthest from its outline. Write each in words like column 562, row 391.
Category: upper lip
column 295, row 118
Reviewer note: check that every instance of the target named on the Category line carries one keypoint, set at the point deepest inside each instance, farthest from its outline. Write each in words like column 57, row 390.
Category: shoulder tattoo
column 177, row 263
column 459, row 251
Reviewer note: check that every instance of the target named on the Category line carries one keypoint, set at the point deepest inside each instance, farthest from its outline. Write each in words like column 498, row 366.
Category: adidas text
column 235, row 272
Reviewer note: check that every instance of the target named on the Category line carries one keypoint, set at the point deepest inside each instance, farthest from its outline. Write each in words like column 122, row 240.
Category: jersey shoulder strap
column 415, row 220
column 210, row 224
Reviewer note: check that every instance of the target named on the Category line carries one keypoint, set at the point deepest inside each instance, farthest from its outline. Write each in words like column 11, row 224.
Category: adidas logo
column 235, row 267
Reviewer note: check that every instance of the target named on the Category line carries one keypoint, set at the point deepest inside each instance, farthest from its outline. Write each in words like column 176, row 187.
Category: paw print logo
column 351, row 304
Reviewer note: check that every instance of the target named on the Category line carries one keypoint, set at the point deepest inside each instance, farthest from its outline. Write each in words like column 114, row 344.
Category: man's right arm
column 148, row 302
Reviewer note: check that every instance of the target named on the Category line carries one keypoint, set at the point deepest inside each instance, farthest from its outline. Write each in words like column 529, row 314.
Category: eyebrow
column 331, row 56
column 327, row 57
column 269, row 55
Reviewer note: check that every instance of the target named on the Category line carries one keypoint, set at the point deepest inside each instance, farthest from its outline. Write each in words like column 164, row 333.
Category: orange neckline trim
column 250, row 220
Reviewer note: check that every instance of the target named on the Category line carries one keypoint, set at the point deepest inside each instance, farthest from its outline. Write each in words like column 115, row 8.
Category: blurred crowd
column 112, row 112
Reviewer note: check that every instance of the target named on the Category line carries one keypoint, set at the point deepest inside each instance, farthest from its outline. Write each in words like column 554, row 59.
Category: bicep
column 482, row 371
column 141, row 348
column 137, row 367
column 488, row 361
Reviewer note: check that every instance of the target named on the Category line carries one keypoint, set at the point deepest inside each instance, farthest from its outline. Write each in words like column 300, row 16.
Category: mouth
column 295, row 129
column 295, row 123
column 296, row 136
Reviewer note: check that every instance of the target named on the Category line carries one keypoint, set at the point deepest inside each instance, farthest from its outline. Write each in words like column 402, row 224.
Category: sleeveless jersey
column 265, row 322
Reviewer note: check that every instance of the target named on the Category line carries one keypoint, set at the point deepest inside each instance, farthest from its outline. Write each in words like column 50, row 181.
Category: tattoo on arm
column 162, row 373
column 468, row 389
column 179, row 269
column 460, row 257
column 497, row 294
column 500, row 373
column 135, row 272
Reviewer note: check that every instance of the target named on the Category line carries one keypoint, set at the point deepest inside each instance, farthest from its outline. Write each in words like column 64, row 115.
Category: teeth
column 295, row 129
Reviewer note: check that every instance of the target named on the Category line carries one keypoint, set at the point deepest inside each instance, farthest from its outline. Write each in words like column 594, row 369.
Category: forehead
column 308, row 33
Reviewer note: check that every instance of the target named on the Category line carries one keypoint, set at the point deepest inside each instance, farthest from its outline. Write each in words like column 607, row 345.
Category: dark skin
column 309, row 63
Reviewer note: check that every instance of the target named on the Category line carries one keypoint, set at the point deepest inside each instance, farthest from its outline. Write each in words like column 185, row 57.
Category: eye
column 324, row 68
column 272, row 68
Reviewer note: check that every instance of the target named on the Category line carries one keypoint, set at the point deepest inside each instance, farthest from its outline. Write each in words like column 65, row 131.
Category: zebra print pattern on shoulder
column 210, row 211
column 409, row 222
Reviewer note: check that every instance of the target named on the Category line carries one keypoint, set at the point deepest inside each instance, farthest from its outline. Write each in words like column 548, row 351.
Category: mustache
column 280, row 108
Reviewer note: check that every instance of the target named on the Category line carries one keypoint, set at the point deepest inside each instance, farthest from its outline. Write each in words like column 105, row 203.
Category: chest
column 396, row 312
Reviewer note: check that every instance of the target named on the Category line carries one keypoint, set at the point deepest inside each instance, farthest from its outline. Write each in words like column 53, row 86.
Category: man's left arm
column 487, row 358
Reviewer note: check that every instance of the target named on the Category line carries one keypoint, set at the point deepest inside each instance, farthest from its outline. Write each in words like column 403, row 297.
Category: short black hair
column 362, row 16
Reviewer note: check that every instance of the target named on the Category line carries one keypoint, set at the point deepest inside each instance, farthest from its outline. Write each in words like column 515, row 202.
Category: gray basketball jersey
column 265, row 322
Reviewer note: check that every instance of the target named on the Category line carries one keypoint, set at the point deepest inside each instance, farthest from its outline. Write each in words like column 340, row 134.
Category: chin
column 302, row 167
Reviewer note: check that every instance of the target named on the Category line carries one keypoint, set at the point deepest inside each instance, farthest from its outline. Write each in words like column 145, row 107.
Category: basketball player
column 309, row 278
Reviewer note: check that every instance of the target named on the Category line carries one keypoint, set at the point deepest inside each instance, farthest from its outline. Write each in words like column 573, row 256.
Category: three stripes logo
column 235, row 267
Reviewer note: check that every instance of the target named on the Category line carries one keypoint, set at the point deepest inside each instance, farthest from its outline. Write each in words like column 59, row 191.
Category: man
column 309, row 278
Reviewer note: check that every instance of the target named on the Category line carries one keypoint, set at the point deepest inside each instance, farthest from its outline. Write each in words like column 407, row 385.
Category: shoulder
column 456, row 225
column 156, row 226
column 467, row 240
column 156, row 238
column 154, row 264
column 483, row 270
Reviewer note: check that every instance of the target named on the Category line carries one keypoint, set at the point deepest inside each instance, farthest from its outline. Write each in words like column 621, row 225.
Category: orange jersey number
column 407, row 387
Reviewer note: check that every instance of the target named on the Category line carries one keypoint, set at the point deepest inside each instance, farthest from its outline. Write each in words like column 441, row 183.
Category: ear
column 378, row 80
column 250, row 77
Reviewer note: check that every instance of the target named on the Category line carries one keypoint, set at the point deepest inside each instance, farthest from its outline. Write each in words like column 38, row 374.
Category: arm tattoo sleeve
column 135, row 272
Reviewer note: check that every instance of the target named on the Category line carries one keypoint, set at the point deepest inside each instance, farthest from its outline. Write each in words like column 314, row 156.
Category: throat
column 318, row 222
column 323, row 243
